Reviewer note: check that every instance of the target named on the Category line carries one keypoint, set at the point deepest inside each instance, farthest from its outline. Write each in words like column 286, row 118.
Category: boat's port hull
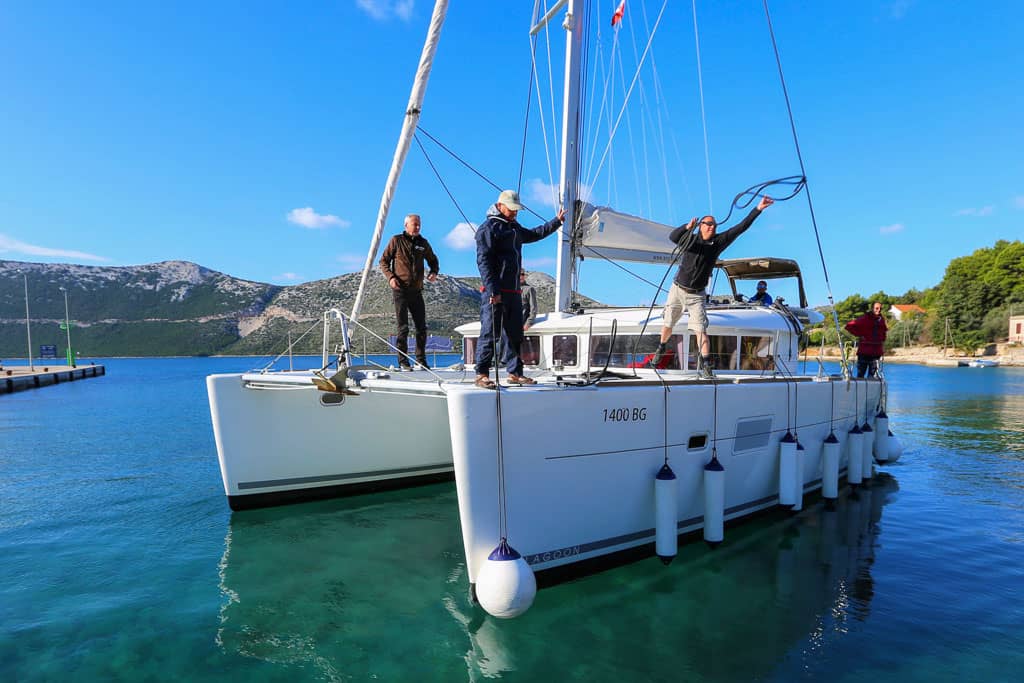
column 281, row 442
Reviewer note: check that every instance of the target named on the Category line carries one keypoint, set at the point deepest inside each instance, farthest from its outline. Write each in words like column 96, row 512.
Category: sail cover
column 604, row 232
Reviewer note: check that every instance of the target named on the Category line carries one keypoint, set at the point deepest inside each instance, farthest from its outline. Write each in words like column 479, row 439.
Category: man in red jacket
column 871, row 330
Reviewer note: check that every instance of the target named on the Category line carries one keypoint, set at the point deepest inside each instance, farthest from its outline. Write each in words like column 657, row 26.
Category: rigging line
column 281, row 355
column 629, row 92
column 526, row 124
column 433, row 168
column 644, row 120
column 551, row 93
column 832, row 413
column 540, row 111
column 470, row 167
column 629, row 134
column 594, row 122
column 660, row 109
column 389, row 345
column 703, row 117
column 803, row 170
column 664, row 403
column 622, row 268
column 502, row 502
column 754, row 191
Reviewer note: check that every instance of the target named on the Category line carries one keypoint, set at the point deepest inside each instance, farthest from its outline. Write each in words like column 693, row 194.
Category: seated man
column 762, row 297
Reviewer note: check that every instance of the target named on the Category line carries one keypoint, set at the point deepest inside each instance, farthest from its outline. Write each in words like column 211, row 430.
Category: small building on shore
column 897, row 311
column 1016, row 329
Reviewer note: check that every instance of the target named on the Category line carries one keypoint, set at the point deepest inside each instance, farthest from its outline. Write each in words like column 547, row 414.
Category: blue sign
column 47, row 351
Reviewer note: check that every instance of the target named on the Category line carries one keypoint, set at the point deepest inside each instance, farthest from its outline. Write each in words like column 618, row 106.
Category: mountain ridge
column 183, row 308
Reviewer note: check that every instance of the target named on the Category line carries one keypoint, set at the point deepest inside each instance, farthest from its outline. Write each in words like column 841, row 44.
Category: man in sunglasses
column 701, row 250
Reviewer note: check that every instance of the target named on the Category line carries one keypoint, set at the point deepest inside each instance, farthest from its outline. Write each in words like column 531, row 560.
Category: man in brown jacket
column 402, row 264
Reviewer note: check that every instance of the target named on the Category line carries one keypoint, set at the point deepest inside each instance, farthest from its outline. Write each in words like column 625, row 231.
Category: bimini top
column 766, row 268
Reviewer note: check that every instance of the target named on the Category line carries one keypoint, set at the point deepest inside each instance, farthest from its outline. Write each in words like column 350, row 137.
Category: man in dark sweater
column 499, row 255
column 402, row 264
column 700, row 252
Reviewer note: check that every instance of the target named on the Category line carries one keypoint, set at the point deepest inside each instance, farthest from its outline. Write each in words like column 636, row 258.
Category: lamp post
column 28, row 325
column 67, row 326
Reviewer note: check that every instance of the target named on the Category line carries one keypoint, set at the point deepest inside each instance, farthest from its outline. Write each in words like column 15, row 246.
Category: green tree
column 975, row 287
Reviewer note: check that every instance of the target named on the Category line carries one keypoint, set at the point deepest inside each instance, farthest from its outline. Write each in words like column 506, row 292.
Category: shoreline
column 1005, row 356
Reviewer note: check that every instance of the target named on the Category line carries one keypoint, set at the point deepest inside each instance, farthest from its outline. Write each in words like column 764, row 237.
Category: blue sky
column 255, row 138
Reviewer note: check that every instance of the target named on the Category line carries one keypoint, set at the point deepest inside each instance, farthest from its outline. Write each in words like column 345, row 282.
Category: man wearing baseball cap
column 499, row 256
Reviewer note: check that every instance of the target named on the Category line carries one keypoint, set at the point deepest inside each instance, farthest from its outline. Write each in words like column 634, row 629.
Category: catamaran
column 604, row 457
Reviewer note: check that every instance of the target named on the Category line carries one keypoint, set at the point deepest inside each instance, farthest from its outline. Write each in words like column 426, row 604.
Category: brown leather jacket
column 403, row 259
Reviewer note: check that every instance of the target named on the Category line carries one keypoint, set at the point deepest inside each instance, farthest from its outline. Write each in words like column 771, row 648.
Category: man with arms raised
column 700, row 252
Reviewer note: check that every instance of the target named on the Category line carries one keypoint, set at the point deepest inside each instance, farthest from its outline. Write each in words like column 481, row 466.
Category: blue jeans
column 508, row 317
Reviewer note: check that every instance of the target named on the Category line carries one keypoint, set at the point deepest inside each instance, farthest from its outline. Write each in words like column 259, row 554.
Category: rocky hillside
column 180, row 308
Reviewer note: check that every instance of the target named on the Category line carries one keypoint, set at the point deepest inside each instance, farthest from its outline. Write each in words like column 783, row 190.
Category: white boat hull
column 588, row 493
column 280, row 440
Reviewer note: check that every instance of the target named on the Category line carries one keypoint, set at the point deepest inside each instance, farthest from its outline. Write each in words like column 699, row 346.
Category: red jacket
column 871, row 329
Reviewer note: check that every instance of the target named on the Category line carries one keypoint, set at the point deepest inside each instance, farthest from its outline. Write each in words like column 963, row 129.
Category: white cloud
column 983, row 211
column 352, row 262
column 11, row 245
column 461, row 237
column 542, row 193
column 539, row 263
column 891, row 229
column 384, row 9
column 1018, row 201
column 288, row 277
column 308, row 218
column 546, row 194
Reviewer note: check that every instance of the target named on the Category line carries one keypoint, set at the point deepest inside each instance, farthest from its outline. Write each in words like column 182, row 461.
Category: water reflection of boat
column 392, row 604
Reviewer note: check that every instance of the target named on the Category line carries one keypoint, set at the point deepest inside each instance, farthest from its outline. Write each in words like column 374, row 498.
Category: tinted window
column 626, row 352
column 723, row 352
column 530, row 350
column 564, row 349
column 756, row 353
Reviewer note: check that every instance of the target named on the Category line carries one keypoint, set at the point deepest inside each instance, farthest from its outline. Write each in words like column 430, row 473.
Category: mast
column 412, row 117
column 568, row 183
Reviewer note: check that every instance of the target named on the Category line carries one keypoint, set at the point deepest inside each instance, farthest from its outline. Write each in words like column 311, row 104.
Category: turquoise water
column 119, row 560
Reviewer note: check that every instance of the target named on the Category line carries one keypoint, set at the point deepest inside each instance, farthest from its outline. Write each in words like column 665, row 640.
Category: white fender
column 666, row 508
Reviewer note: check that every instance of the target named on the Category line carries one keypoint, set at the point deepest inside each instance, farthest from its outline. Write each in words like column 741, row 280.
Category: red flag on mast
column 617, row 16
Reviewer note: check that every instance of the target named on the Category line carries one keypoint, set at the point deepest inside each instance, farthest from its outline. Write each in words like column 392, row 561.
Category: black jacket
column 700, row 255
column 499, row 250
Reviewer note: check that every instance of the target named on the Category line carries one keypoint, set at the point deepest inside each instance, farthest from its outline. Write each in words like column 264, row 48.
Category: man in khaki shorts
column 701, row 250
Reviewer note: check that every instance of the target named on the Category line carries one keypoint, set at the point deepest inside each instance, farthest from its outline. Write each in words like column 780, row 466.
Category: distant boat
column 982, row 363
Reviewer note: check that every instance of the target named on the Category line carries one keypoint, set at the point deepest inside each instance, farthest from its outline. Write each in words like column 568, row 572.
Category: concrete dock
column 18, row 377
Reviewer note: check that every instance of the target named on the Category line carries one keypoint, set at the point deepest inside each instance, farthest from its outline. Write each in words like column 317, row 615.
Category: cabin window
column 757, row 353
column 723, row 352
column 530, row 350
column 564, row 349
column 469, row 350
column 626, row 352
